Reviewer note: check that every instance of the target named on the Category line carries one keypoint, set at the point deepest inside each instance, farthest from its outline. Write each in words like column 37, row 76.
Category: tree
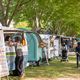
column 61, row 16
column 65, row 17
column 51, row 14
column 10, row 8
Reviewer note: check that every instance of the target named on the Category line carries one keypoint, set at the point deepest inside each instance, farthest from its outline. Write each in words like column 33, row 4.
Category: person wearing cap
column 78, row 53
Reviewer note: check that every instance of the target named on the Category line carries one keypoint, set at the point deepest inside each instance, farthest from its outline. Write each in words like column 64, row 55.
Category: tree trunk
column 37, row 22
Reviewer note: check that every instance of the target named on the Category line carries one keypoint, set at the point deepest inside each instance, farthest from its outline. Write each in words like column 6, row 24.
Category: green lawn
column 56, row 69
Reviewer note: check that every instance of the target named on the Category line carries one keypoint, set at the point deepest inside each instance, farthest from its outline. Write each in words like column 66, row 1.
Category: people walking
column 78, row 54
column 19, row 56
column 64, row 53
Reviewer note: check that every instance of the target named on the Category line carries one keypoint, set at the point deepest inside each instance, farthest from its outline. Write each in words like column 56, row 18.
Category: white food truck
column 49, row 48
column 7, row 54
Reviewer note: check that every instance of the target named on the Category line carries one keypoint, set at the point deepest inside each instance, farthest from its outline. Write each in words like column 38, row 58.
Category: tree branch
column 14, row 12
column 19, row 4
column 1, row 7
column 23, row 3
column 7, row 11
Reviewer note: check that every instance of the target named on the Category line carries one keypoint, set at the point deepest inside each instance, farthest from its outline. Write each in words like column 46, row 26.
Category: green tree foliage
column 10, row 8
column 61, row 16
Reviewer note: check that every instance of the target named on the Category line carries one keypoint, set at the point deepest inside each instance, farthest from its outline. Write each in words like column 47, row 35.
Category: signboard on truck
column 56, row 47
column 4, row 71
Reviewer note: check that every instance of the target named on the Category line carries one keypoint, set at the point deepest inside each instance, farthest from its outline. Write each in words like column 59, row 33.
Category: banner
column 56, row 47
column 4, row 71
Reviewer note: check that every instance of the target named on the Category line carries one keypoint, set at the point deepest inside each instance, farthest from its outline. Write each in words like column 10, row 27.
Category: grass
column 56, row 69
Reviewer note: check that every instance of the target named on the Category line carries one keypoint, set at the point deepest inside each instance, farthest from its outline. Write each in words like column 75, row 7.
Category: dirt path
column 52, row 79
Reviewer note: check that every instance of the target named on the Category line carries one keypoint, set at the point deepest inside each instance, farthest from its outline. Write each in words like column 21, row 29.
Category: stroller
column 64, row 56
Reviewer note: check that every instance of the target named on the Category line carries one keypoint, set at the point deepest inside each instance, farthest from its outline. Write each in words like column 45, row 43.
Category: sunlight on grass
column 56, row 69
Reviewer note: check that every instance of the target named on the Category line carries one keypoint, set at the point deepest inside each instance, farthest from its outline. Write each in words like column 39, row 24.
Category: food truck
column 10, row 50
column 34, row 49
column 4, row 71
column 57, row 46
column 49, row 45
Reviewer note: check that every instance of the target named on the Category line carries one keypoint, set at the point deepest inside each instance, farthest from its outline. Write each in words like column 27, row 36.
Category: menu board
column 4, row 71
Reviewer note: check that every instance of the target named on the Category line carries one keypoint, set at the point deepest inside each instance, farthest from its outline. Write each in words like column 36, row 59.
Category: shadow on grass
column 55, row 69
